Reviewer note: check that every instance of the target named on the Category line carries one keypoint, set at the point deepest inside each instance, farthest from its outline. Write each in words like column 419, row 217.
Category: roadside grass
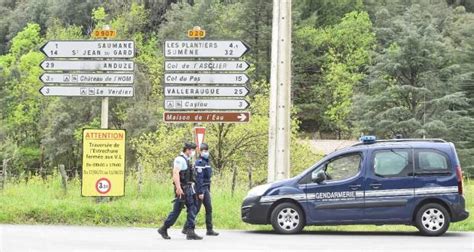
column 45, row 202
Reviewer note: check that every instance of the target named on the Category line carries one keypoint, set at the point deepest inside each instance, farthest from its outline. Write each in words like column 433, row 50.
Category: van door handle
column 355, row 187
column 375, row 185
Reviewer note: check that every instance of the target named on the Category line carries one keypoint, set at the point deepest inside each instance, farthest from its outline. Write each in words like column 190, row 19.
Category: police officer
column 183, row 180
column 203, row 186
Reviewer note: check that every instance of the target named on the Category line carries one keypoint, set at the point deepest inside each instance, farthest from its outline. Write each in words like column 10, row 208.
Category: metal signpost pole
column 104, row 112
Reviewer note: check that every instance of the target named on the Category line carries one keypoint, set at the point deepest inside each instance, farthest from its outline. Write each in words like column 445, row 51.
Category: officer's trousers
column 207, row 205
column 178, row 205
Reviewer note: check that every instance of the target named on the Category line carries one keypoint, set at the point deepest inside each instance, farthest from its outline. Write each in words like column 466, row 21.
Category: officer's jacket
column 203, row 174
column 186, row 173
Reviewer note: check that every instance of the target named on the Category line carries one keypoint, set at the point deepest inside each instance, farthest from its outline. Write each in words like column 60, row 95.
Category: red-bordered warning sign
column 199, row 133
column 103, row 185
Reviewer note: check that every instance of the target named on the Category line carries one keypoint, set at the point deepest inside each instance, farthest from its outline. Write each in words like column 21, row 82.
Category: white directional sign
column 86, row 91
column 214, row 104
column 189, row 91
column 176, row 65
column 190, row 78
column 204, row 49
column 87, row 78
column 89, row 49
column 89, row 65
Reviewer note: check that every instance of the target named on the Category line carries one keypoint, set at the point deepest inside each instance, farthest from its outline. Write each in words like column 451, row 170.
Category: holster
column 188, row 189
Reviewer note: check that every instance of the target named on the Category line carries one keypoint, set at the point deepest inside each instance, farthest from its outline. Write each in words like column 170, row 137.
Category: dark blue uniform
column 203, row 186
column 186, row 180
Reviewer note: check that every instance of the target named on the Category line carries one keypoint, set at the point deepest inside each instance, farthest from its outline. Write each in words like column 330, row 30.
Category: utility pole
column 280, row 93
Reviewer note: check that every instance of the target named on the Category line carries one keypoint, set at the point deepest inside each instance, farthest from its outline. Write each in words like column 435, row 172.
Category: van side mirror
column 319, row 176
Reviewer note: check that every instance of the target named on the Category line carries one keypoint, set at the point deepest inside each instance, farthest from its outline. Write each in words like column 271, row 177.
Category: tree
column 21, row 103
column 411, row 89
column 324, row 82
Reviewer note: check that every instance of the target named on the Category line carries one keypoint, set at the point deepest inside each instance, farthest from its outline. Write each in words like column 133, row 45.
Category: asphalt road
column 74, row 238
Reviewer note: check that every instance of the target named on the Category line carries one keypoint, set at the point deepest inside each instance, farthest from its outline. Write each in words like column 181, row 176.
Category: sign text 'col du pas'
column 214, row 78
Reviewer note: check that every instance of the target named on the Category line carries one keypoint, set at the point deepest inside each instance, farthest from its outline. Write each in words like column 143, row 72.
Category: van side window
column 393, row 163
column 429, row 160
column 343, row 167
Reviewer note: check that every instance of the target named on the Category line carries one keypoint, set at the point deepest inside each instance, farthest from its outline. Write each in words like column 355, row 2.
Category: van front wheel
column 432, row 219
column 287, row 218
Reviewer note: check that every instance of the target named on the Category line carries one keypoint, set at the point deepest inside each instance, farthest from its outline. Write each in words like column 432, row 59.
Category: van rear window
column 431, row 161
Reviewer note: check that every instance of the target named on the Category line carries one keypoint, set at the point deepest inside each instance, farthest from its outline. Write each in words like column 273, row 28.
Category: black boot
column 211, row 232
column 184, row 231
column 191, row 235
column 164, row 233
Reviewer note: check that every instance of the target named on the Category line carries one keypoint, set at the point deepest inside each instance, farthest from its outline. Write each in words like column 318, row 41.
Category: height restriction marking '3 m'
column 103, row 162
column 89, row 49
column 205, row 49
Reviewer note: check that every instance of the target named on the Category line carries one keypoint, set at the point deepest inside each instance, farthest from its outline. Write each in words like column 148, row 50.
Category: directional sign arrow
column 217, row 104
column 177, row 65
column 215, row 91
column 210, row 117
column 87, row 78
column 86, row 91
column 242, row 117
column 89, row 49
column 174, row 78
column 93, row 65
column 204, row 49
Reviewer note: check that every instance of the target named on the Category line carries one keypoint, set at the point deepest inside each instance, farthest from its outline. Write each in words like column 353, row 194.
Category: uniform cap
column 204, row 146
column 191, row 146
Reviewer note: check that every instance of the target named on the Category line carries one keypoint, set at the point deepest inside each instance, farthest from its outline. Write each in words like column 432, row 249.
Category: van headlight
column 258, row 190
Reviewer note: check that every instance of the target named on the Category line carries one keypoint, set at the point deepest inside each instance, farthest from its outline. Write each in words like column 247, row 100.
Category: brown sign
column 210, row 117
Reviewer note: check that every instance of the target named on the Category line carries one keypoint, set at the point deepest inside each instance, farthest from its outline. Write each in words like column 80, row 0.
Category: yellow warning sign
column 103, row 162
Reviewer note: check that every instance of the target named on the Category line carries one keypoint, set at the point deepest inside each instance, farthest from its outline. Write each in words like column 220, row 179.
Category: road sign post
column 203, row 76
column 103, row 161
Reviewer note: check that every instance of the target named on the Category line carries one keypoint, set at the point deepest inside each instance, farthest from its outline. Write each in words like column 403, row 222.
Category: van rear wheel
column 287, row 218
column 432, row 219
